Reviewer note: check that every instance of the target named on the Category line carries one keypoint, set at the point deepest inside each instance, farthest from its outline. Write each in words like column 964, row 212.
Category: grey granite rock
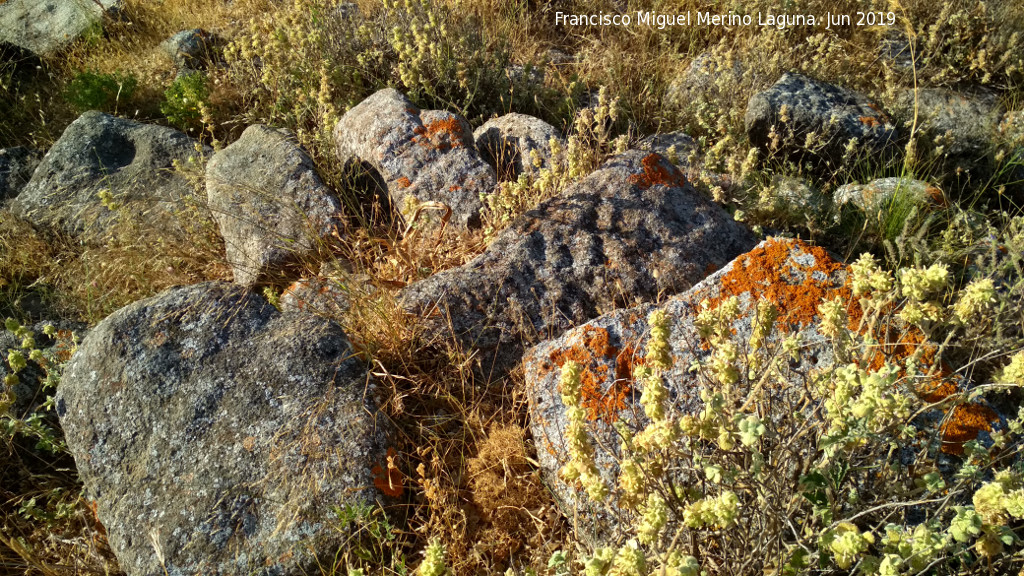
column 16, row 168
column 506, row 144
column 99, row 153
column 421, row 155
column 964, row 123
column 45, row 27
column 192, row 49
column 630, row 231
column 792, row 275
column 216, row 434
column 270, row 204
column 834, row 115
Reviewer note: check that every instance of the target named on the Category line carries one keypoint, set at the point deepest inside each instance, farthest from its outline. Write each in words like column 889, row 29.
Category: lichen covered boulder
column 797, row 106
column 215, row 434
column 796, row 278
column 105, row 168
column 421, row 155
column 269, row 202
column 630, row 231
column 508, row 143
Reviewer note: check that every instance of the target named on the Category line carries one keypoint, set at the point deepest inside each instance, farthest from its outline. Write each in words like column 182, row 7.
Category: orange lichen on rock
column 964, row 424
column 594, row 355
column 769, row 273
column 440, row 134
column 870, row 121
column 657, row 170
column 388, row 478
column 404, row 182
column 936, row 196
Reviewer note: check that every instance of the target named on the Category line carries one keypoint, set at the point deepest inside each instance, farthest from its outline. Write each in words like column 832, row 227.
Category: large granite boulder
column 271, row 205
column 790, row 274
column 421, row 155
column 16, row 168
column 216, row 435
column 797, row 106
column 102, row 162
column 45, row 27
column 632, row 230
column 506, row 143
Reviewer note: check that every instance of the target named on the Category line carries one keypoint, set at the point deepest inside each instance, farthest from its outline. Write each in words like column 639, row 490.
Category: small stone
column 506, row 144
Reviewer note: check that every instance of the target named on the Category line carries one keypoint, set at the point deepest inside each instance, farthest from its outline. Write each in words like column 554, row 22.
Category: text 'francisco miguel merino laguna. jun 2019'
column 781, row 21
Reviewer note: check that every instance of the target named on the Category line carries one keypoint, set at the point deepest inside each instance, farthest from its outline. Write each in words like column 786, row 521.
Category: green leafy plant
column 187, row 101
column 96, row 91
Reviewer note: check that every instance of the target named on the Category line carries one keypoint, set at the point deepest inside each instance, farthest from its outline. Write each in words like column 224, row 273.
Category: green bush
column 96, row 91
column 187, row 101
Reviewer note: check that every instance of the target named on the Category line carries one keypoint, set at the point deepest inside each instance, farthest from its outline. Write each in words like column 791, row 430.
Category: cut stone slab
column 16, row 168
column 216, row 434
column 833, row 114
column 794, row 276
column 46, row 27
column 271, row 205
column 102, row 154
column 506, row 144
column 630, row 231
column 421, row 155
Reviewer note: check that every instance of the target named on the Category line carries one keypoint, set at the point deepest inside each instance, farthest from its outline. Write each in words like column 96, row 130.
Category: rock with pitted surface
column 102, row 162
column 631, row 231
column 271, row 205
column 216, row 435
column 45, row 27
column 421, row 155
column 16, row 168
column 797, row 106
column 508, row 142
column 794, row 277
